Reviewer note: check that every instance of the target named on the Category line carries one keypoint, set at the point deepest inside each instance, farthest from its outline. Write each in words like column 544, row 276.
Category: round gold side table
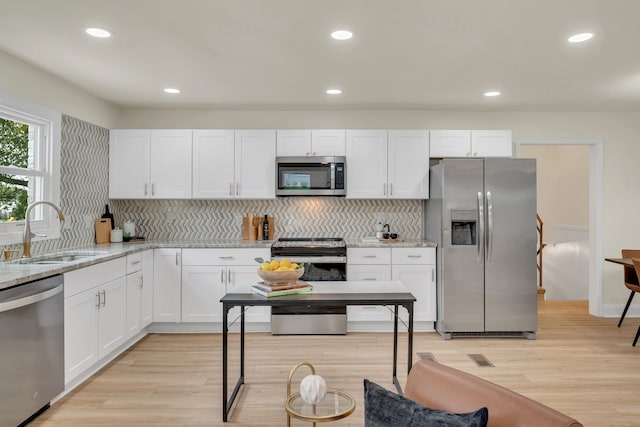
column 335, row 405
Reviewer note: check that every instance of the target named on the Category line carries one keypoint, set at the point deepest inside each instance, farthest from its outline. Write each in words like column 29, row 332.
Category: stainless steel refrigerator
column 482, row 215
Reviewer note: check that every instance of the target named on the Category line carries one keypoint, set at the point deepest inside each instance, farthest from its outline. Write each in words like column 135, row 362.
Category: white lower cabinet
column 209, row 274
column 167, row 270
column 416, row 269
column 139, row 292
column 368, row 264
column 95, row 314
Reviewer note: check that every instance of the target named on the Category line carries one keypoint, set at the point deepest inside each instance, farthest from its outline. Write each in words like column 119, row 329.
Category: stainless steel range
column 324, row 259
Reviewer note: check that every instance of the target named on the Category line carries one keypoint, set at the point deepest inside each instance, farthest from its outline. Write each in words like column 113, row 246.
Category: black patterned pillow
column 383, row 408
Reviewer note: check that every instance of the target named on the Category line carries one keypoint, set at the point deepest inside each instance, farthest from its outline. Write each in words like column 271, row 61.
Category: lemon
column 266, row 266
column 294, row 266
column 275, row 264
column 285, row 262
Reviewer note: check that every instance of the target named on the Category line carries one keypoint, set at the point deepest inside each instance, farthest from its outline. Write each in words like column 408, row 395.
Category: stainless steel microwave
column 311, row 176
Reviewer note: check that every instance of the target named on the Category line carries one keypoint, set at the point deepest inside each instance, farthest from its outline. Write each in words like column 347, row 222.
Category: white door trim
column 596, row 173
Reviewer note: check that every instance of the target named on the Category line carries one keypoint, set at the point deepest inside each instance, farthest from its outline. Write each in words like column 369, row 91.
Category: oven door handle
column 315, row 259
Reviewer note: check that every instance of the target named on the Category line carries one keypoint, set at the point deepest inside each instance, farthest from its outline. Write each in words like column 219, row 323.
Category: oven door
column 322, row 269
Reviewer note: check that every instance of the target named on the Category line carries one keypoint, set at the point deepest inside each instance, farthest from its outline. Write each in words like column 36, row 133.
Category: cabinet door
column 112, row 316
column 294, row 142
column 366, row 164
column 372, row 273
column 129, row 164
column 146, row 303
column 170, row 164
column 408, row 164
column 80, row 332
column 166, row 285
column 202, row 288
column 328, row 142
column 491, row 143
column 213, row 164
column 240, row 279
column 255, row 165
column 420, row 280
column 134, row 303
column 450, row 143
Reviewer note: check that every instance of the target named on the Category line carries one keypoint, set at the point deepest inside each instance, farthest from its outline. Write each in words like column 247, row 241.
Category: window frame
column 44, row 220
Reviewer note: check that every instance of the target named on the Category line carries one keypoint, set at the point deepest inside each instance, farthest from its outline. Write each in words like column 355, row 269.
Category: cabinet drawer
column 134, row 262
column 227, row 256
column 413, row 255
column 369, row 255
column 85, row 278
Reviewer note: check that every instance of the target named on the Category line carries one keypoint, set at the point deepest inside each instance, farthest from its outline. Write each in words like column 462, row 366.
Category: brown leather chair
column 630, row 280
column 636, row 264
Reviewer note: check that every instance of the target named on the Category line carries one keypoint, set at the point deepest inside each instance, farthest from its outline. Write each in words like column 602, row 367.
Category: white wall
column 619, row 131
column 563, row 185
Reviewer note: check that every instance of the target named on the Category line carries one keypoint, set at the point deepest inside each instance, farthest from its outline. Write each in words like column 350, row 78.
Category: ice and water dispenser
column 463, row 227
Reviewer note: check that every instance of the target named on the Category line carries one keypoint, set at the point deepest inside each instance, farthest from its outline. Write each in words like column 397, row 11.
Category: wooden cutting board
column 103, row 230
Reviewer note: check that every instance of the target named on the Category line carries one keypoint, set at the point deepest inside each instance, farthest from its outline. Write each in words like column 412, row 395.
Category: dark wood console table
column 351, row 293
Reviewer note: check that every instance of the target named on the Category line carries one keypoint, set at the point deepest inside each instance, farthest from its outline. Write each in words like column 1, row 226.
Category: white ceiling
column 273, row 54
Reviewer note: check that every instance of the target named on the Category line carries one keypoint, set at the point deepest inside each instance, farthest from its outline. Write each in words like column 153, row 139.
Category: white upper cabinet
column 408, row 164
column 302, row 142
column 150, row 164
column 213, row 164
column 255, row 164
column 387, row 165
column 491, row 143
column 230, row 164
column 471, row 143
column 366, row 164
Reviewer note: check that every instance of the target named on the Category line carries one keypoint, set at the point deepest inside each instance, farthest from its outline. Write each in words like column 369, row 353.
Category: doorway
column 595, row 146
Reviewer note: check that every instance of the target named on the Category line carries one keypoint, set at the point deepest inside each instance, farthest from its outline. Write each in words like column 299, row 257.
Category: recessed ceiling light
column 334, row 91
column 579, row 38
column 342, row 35
column 172, row 90
column 492, row 93
column 98, row 32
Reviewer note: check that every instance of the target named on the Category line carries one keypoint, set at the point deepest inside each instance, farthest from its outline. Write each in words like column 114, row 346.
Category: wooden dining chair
column 630, row 279
column 636, row 264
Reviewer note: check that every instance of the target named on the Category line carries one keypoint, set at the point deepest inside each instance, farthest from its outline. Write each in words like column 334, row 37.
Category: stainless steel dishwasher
column 32, row 354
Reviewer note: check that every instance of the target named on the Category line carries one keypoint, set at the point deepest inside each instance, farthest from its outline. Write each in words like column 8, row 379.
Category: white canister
column 116, row 235
column 129, row 229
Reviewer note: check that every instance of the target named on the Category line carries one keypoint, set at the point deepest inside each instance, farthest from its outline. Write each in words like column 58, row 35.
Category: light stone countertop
column 14, row 273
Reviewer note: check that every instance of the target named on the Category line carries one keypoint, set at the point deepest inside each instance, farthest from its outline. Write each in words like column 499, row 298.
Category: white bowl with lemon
column 279, row 271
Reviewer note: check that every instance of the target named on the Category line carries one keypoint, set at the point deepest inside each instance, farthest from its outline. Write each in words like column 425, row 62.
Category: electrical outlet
column 380, row 217
column 87, row 221
column 171, row 216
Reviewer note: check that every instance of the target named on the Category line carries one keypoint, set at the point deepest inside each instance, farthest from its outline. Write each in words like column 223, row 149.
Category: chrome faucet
column 27, row 235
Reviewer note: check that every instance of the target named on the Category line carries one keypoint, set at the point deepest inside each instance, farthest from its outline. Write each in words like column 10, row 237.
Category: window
column 29, row 168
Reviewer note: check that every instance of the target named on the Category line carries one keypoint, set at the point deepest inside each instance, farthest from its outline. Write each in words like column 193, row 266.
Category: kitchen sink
column 60, row 258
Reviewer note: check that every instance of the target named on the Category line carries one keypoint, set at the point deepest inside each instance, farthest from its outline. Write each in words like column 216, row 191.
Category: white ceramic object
column 313, row 389
column 116, row 235
column 129, row 229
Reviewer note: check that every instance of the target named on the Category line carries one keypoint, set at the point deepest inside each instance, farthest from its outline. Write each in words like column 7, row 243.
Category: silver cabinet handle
column 237, row 188
column 177, row 258
column 469, row 154
column 229, row 277
column 414, row 256
column 370, row 279
column 135, row 262
column 226, row 257
column 391, row 188
column 433, row 275
column 153, row 189
column 141, row 283
column 475, row 154
column 384, row 189
column 98, row 300
column 307, row 153
column 221, row 276
column 231, row 189
column 104, row 297
column 145, row 188
column 370, row 256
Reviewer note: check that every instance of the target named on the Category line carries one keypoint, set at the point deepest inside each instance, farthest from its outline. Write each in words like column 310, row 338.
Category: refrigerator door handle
column 480, row 239
column 489, row 227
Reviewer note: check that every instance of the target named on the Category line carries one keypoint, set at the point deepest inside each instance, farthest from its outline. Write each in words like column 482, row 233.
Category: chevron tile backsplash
column 294, row 217
column 84, row 190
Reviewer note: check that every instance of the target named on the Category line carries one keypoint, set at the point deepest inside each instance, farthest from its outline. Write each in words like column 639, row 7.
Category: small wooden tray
column 391, row 240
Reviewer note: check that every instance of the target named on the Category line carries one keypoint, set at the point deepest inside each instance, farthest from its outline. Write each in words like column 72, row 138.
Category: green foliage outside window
column 14, row 151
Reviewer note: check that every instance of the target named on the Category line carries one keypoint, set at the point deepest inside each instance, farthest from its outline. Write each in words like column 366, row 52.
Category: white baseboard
column 615, row 310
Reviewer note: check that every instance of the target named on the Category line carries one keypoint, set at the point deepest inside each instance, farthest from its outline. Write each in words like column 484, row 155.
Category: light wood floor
column 579, row 364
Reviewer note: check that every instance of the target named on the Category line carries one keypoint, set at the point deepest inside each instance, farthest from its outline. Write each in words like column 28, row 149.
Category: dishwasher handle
column 31, row 299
